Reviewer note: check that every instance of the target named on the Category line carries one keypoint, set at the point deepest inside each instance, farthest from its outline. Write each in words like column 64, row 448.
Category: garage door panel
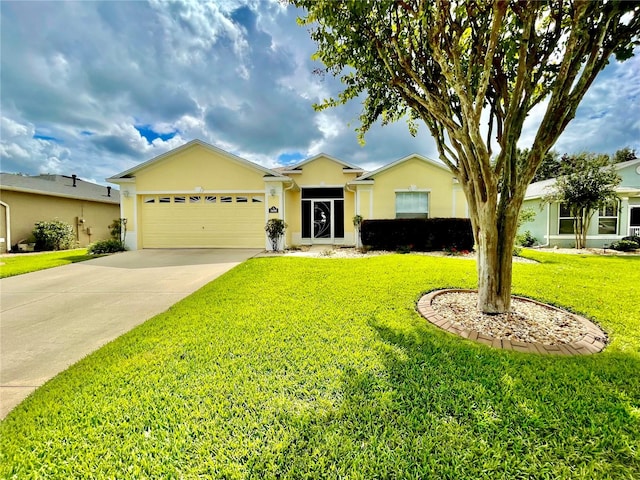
column 193, row 225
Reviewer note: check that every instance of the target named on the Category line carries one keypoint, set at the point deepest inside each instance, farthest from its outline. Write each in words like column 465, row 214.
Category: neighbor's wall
column 29, row 208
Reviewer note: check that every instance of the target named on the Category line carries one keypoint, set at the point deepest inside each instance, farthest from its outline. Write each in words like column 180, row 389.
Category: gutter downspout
column 8, row 222
column 548, row 228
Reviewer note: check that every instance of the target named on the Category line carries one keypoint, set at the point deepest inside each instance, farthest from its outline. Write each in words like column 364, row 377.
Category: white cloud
column 238, row 74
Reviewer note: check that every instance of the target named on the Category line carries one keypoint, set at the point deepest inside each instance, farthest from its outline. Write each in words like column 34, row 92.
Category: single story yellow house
column 199, row 196
column 24, row 200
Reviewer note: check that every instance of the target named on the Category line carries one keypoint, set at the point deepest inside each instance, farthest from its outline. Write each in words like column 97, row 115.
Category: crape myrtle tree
column 586, row 183
column 472, row 71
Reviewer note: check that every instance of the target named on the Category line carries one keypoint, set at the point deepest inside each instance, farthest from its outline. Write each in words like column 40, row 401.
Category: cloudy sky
column 94, row 88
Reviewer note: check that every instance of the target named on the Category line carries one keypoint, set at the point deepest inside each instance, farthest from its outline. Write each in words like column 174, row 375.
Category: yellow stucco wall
column 28, row 208
column 198, row 166
column 416, row 174
column 320, row 172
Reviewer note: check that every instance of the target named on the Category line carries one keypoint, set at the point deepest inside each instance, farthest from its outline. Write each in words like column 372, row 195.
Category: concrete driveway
column 52, row 318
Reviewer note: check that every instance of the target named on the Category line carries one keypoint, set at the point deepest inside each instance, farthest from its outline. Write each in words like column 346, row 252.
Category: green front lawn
column 32, row 262
column 321, row 368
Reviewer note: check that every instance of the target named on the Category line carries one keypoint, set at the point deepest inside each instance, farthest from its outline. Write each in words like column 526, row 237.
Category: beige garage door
column 203, row 221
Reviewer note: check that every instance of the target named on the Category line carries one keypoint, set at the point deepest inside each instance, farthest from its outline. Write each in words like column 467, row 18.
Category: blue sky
column 94, row 88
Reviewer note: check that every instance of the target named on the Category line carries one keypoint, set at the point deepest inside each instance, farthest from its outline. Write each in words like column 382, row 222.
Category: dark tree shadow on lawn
column 443, row 407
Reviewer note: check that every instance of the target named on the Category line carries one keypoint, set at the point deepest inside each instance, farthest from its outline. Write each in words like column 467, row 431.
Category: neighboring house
column 25, row 200
column 553, row 224
column 198, row 195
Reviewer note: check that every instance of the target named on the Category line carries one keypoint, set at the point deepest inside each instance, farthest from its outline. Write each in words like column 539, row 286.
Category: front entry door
column 634, row 221
column 322, row 220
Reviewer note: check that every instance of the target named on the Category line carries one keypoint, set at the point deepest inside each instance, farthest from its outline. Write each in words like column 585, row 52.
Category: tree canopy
column 472, row 71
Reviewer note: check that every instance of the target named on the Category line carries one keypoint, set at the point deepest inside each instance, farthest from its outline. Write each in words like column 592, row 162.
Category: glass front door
column 322, row 219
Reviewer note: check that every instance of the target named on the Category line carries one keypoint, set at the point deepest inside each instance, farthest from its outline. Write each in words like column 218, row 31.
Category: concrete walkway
column 52, row 318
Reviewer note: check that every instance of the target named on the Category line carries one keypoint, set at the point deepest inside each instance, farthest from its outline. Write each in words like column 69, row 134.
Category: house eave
column 110, row 200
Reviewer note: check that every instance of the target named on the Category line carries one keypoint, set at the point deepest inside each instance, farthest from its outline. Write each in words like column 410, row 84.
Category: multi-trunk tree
column 473, row 71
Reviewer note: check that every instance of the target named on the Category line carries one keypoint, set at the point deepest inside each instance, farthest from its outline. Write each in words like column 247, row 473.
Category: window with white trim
column 241, row 199
column 210, row 199
column 412, row 205
column 608, row 219
column 179, row 199
column 194, row 199
column 566, row 221
column 226, row 199
column 164, row 200
column 149, row 199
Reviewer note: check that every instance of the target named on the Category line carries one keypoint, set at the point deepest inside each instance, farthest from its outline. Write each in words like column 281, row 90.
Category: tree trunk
column 494, row 234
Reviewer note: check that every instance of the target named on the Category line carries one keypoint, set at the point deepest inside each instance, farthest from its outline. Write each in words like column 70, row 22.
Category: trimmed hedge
column 418, row 234
column 105, row 246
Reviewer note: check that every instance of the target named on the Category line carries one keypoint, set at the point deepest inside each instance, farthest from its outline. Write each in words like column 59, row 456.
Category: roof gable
column 342, row 163
column 160, row 158
column 370, row 175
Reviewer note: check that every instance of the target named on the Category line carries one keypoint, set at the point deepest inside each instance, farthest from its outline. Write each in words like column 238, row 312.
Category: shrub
column 275, row 229
column 624, row 246
column 525, row 239
column 115, row 229
column 420, row 234
column 633, row 238
column 105, row 246
column 54, row 235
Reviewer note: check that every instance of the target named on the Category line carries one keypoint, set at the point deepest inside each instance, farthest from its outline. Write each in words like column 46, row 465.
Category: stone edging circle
column 591, row 343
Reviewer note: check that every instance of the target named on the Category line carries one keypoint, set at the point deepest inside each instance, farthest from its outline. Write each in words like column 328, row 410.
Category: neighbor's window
column 412, row 205
column 164, row 200
column 149, row 199
column 565, row 220
column 226, row 199
column 194, row 199
column 209, row 199
column 241, row 200
column 608, row 219
column 179, row 199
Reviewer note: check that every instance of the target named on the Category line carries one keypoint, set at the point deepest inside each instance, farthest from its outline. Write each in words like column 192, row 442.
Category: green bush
column 54, row 235
column 275, row 228
column 624, row 246
column 421, row 235
column 105, row 246
column 633, row 238
column 526, row 239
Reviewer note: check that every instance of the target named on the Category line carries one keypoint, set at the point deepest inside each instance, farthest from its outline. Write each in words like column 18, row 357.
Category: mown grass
column 318, row 368
column 26, row 263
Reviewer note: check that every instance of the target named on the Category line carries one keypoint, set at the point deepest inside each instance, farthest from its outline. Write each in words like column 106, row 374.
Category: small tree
column 275, row 229
column 624, row 155
column 54, row 235
column 118, row 231
column 587, row 182
column 357, row 223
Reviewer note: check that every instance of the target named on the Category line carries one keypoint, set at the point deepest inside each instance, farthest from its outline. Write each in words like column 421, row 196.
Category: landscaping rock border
column 592, row 341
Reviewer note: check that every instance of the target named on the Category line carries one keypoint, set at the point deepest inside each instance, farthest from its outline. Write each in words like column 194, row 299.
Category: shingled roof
column 59, row 186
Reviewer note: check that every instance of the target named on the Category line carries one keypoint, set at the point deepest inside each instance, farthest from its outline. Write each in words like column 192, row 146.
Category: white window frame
column 602, row 210
column 412, row 214
column 561, row 218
